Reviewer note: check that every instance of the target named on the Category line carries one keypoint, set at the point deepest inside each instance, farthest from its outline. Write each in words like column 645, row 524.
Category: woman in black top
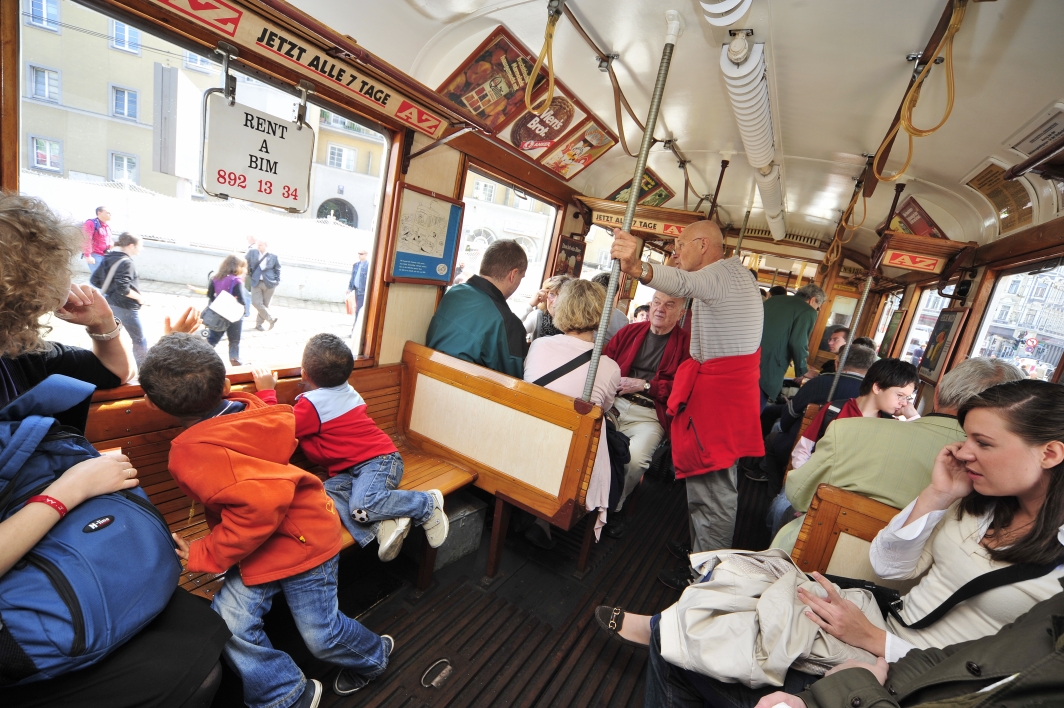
column 117, row 279
column 173, row 661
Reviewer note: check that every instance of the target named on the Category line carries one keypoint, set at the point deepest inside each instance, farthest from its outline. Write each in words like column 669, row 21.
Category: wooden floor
column 529, row 638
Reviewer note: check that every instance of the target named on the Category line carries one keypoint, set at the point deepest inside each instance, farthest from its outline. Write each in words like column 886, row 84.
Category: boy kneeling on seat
column 272, row 527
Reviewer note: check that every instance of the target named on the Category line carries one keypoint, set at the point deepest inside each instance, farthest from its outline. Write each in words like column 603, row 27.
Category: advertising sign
column 533, row 135
column 570, row 259
column 913, row 261
column 912, row 219
column 652, row 192
column 645, row 225
column 255, row 156
column 580, row 149
column 249, row 29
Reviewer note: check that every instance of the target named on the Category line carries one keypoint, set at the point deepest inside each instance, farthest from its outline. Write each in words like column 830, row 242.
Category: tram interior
column 785, row 123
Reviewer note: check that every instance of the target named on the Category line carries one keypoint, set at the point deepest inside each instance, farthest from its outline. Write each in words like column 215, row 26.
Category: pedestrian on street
column 265, row 272
column 359, row 280
column 97, row 238
column 229, row 278
column 115, row 276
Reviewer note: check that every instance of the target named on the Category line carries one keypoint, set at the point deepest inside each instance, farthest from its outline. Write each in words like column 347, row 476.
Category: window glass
column 76, row 156
column 842, row 308
column 1024, row 322
column 45, row 14
column 890, row 306
column 490, row 215
column 927, row 311
column 44, row 83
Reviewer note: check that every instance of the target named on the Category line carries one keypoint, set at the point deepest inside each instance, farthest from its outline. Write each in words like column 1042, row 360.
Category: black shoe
column 677, row 579
column 611, row 619
column 539, row 538
column 616, row 529
column 347, row 682
column 680, row 550
column 755, row 475
column 311, row 695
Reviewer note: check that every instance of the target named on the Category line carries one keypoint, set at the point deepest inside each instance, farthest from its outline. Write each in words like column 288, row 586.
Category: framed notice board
column 427, row 227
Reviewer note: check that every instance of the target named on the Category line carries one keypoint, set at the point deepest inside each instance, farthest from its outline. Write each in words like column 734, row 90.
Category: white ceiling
column 836, row 71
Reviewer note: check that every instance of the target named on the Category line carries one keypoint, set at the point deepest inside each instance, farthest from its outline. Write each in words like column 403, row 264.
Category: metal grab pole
column 742, row 232
column 675, row 28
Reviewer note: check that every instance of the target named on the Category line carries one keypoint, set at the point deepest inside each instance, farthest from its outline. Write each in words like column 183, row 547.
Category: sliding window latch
column 304, row 88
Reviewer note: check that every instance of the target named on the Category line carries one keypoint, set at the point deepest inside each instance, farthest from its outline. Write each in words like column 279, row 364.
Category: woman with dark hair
column 116, row 277
column 229, row 278
column 995, row 500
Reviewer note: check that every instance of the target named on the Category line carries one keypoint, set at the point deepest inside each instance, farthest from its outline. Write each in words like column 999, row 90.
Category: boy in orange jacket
column 273, row 529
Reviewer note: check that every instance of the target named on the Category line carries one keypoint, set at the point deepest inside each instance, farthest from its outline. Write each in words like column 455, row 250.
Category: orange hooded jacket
column 269, row 516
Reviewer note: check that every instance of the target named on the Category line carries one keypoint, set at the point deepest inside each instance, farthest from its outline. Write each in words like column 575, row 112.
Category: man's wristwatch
column 110, row 335
column 645, row 272
column 646, row 385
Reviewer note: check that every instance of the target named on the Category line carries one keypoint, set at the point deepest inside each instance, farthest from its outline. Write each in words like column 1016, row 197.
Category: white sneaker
column 437, row 526
column 390, row 535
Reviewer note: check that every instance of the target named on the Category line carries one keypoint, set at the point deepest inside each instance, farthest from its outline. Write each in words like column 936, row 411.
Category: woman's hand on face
column 85, row 306
column 188, row 322
column 93, row 477
column 949, row 476
column 879, row 669
column 774, row 699
column 540, row 296
column 842, row 619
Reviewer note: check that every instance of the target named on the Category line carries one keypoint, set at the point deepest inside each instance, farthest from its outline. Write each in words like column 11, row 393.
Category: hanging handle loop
column 545, row 61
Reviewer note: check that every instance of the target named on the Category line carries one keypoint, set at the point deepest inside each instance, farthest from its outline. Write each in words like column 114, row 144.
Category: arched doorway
column 340, row 210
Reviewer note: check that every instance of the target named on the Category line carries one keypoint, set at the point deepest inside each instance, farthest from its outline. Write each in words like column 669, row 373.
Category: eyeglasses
column 677, row 245
column 905, row 397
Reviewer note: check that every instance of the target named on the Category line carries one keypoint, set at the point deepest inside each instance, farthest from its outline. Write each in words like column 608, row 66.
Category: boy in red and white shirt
column 365, row 469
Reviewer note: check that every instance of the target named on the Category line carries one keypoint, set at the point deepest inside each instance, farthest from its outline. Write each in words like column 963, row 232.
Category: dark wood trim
column 983, row 291
column 10, row 72
column 909, row 301
column 1031, row 244
column 486, row 152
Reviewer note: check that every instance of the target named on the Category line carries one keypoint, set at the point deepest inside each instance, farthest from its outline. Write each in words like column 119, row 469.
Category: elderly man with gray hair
column 888, row 460
column 785, row 339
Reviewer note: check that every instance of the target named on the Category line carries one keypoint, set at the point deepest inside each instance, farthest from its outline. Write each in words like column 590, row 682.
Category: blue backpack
column 99, row 575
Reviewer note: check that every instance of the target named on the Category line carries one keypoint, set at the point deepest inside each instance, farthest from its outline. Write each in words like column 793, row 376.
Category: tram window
column 927, row 311
column 495, row 210
column 1024, row 322
column 890, row 306
column 92, row 136
column 841, row 314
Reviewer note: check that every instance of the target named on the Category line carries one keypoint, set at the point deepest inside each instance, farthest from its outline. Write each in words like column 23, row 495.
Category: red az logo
column 214, row 13
column 412, row 115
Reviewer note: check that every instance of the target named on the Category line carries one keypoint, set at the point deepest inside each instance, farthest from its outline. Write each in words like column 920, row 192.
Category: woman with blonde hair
column 539, row 322
column 561, row 363
column 229, row 278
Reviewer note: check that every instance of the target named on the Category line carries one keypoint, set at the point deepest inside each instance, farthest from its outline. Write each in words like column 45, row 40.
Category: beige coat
column 747, row 625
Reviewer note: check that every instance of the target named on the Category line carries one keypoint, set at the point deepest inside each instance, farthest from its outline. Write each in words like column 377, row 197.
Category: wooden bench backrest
column 522, row 440
column 843, row 524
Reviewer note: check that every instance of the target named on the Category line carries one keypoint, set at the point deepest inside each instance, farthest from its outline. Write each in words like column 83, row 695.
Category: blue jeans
column 233, row 333
column 670, row 686
column 368, row 491
column 131, row 323
column 271, row 679
column 777, row 516
column 98, row 257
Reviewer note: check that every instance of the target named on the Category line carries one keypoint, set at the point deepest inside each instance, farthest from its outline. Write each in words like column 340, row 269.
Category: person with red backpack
column 97, row 238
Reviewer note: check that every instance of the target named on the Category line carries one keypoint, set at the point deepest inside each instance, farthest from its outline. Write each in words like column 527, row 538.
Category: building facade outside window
column 47, row 154
column 123, row 168
column 44, row 14
column 195, row 61
column 342, row 157
column 125, row 103
column 483, row 190
column 44, row 83
column 125, row 38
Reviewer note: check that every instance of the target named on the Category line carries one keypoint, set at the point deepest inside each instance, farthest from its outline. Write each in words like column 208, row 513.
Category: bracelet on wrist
column 109, row 335
column 50, row 501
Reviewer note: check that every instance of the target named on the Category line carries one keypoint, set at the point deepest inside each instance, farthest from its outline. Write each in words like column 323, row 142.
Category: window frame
column 113, row 43
column 28, row 16
column 198, row 65
column 33, row 154
column 344, row 149
column 30, row 69
column 112, row 154
column 114, row 88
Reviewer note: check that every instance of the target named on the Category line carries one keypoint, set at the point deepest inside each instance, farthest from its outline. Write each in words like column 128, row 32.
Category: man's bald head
column 700, row 244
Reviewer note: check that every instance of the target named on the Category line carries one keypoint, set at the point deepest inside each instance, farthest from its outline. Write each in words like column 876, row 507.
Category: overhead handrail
column 545, row 59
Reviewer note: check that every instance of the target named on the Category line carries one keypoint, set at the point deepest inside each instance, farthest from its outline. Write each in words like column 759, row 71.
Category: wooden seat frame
column 832, row 512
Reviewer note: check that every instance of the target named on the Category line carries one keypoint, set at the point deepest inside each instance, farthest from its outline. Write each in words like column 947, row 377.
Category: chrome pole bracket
column 228, row 51
column 304, row 87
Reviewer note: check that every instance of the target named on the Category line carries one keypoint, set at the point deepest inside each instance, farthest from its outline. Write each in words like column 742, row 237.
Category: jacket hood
column 261, row 431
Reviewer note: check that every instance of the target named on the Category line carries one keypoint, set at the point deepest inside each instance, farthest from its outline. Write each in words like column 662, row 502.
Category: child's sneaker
column 311, row 695
column 347, row 682
column 390, row 535
column 437, row 526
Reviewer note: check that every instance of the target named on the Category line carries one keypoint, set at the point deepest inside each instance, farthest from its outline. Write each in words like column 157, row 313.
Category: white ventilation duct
column 721, row 13
column 748, row 91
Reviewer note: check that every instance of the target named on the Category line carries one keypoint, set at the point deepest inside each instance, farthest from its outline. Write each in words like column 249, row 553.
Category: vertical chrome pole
column 675, row 28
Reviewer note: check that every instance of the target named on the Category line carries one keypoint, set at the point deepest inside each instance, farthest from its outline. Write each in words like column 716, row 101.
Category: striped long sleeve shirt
column 727, row 314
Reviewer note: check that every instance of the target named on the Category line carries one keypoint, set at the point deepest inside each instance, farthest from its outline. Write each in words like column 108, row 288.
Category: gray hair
column 860, row 358
column 971, row 377
column 811, row 292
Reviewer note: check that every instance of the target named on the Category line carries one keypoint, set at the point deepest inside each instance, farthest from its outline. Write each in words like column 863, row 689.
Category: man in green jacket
column 1022, row 666
column 473, row 321
column 785, row 338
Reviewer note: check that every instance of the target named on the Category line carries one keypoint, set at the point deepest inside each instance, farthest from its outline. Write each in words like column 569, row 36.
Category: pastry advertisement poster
column 533, row 135
column 652, row 192
column 490, row 83
column 426, row 237
column 578, row 150
column 570, row 259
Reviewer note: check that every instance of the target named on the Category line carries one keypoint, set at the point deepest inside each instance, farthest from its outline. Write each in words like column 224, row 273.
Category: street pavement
column 297, row 321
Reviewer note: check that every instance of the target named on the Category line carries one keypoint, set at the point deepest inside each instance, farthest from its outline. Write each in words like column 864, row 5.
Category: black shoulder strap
column 976, row 586
column 832, row 413
column 564, row 369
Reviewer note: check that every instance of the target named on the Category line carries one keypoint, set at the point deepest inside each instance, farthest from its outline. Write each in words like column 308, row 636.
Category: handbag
column 890, row 601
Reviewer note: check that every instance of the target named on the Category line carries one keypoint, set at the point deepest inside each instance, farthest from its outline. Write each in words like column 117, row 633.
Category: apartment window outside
column 1003, row 313
column 76, row 160
column 45, row 14
column 125, row 103
column 123, row 168
column 46, row 154
column 1040, row 290
column 125, row 38
column 44, row 83
column 484, row 191
column 342, row 157
column 1014, row 286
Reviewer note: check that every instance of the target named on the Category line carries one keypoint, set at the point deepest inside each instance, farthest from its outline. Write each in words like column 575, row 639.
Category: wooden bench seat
column 144, row 435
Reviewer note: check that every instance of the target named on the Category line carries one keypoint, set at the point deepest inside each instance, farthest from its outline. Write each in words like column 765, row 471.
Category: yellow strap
column 546, row 53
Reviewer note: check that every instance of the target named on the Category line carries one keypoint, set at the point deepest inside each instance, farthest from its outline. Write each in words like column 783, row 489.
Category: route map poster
column 426, row 237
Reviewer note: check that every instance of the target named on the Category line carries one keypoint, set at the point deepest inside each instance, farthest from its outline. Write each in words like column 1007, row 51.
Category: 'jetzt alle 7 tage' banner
column 248, row 29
